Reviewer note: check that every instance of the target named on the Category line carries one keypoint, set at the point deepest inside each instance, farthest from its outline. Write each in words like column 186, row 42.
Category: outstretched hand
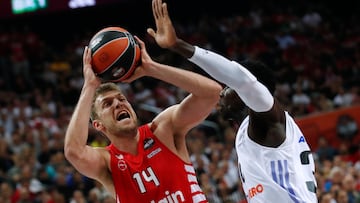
column 165, row 35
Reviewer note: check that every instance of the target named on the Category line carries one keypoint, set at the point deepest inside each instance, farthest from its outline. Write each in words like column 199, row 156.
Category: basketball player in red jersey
column 148, row 163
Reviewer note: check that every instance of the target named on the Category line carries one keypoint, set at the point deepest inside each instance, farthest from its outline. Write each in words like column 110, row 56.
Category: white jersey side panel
column 272, row 175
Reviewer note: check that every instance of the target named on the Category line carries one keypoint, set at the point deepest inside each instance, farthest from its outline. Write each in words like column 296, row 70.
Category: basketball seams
column 113, row 29
column 123, row 52
column 131, row 70
column 104, row 38
column 104, row 45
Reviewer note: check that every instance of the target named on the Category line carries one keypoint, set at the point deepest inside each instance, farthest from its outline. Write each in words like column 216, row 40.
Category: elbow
column 216, row 90
column 71, row 152
column 259, row 99
column 68, row 152
column 213, row 93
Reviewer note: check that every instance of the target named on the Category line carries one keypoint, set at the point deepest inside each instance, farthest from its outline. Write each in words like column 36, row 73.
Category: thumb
column 151, row 32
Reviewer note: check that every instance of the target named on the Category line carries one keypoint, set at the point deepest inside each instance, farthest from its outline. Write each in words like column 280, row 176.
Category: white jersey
column 276, row 175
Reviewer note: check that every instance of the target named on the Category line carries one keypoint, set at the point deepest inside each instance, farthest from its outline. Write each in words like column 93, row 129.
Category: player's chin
column 130, row 129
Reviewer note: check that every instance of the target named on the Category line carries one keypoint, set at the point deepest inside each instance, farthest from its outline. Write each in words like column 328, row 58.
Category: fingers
column 138, row 71
column 164, row 9
column 155, row 9
column 142, row 47
column 144, row 54
column 88, row 72
column 85, row 53
column 158, row 8
column 141, row 43
column 87, row 56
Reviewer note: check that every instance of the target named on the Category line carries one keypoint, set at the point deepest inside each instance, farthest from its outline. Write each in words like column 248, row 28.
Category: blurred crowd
column 316, row 57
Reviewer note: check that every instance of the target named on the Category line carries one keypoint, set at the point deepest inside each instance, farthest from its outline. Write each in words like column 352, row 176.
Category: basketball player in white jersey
column 275, row 162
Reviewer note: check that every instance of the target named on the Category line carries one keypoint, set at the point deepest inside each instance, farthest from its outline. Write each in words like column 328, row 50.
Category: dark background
column 58, row 24
column 131, row 13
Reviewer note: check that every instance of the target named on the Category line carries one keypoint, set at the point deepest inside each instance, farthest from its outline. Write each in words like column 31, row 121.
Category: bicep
column 191, row 112
column 180, row 118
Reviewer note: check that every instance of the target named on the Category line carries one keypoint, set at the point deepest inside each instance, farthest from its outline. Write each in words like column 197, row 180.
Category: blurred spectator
column 143, row 95
column 56, row 196
column 98, row 193
column 93, row 197
column 285, row 39
column 299, row 97
column 209, row 187
column 28, row 188
column 19, row 59
column 197, row 156
column 343, row 98
column 346, row 127
column 325, row 151
column 349, row 186
column 78, row 197
column 312, row 18
column 6, row 191
column 62, row 187
column 164, row 95
column 6, row 161
column 341, row 196
column 108, row 199
column 323, row 103
column 327, row 198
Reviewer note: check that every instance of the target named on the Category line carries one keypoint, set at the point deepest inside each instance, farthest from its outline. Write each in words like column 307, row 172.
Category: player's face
column 231, row 107
column 116, row 114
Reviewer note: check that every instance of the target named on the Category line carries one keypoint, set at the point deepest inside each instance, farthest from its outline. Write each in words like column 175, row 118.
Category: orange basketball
column 115, row 54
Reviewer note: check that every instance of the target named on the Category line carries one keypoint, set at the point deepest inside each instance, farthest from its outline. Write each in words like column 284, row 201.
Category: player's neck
column 128, row 144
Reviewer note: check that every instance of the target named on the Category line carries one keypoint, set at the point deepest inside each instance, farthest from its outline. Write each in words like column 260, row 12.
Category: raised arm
column 231, row 73
column 87, row 160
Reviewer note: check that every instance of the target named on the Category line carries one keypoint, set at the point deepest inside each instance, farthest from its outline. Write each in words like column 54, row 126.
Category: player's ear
column 97, row 125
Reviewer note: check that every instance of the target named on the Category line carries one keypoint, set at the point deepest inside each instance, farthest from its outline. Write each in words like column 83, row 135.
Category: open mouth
column 122, row 116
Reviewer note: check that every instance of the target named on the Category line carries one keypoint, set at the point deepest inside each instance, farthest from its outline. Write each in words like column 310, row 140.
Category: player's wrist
column 183, row 48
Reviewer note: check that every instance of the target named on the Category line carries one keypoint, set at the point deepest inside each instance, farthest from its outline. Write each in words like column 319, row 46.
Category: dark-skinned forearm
column 183, row 48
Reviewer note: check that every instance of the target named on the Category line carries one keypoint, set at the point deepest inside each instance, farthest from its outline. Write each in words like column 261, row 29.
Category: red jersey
column 154, row 175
